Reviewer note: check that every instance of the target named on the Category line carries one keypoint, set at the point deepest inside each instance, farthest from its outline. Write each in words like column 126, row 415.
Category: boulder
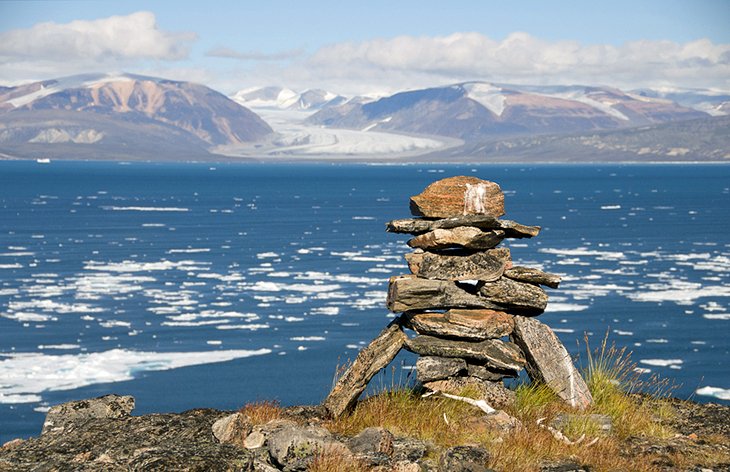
column 495, row 353
column 374, row 444
column 499, row 422
column 456, row 196
column 294, row 447
column 467, row 237
column 464, row 459
column 232, row 429
column 511, row 229
column 532, row 276
column 487, row 265
column 515, row 296
column 430, row 368
column 66, row 415
column 368, row 362
column 549, row 362
column 473, row 325
column 494, row 393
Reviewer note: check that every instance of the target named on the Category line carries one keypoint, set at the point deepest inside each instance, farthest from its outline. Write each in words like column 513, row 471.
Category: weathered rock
column 430, row 368
column 408, row 293
column 474, row 325
column 409, row 449
column 254, row 440
column 467, row 237
column 456, row 196
column 294, row 447
column 232, row 429
column 512, row 229
column 495, row 353
column 549, row 362
column 159, row 442
column 375, row 445
column 532, row 276
column 67, row 415
column 487, row 266
column 486, row 372
column 602, row 423
column 498, row 421
column 464, row 459
column 368, row 362
column 513, row 295
column 494, row 393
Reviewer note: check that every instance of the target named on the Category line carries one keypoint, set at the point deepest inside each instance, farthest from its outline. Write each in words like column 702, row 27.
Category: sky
column 372, row 47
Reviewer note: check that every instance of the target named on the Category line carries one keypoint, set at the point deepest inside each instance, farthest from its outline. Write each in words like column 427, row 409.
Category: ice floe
column 717, row 392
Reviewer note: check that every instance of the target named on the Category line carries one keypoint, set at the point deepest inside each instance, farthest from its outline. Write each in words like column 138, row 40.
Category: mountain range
column 127, row 116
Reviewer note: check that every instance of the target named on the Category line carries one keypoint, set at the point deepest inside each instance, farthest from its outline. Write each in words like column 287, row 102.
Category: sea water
column 191, row 285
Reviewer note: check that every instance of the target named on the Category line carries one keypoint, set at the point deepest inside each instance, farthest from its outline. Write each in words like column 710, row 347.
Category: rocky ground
column 101, row 435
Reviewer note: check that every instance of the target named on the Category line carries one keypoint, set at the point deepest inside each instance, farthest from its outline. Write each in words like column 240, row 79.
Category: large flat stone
column 486, row 265
column 494, row 393
column 473, row 325
column 429, row 368
column 377, row 355
column 407, row 293
column 495, row 353
column 467, row 237
column 512, row 229
column 532, row 276
column 485, row 372
column 549, row 362
column 456, row 196
column 74, row 413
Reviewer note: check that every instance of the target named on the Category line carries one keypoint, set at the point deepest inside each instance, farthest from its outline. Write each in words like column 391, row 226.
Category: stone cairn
column 463, row 299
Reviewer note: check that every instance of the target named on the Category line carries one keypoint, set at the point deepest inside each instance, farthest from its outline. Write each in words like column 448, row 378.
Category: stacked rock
column 463, row 299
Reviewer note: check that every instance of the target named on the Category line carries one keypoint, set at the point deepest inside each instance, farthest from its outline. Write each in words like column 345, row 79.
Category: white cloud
column 82, row 45
column 522, row 58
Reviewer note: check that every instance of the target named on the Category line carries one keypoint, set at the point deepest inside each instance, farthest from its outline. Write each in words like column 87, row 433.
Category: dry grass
column 262, row 412
column 336, row 460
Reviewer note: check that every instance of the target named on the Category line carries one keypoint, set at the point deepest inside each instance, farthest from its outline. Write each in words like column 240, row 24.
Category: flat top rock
column 457, row 196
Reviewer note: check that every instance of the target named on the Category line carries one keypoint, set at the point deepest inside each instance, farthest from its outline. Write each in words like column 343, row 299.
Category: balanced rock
column 495, row 353
column 515, row 295
column 486, row 265
column 467, row 237
column 494, row 393
column 430, row 368
column 532, row 276
column 549, row 362
column 456, row 196
column 474, row 325
column 512, row 229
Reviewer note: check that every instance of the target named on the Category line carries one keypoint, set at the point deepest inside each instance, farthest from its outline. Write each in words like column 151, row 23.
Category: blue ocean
column 199, row 285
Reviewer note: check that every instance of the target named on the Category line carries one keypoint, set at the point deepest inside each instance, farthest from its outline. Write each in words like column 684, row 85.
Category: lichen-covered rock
column 456, row 196
column 485, row 265
column 294, row 447
column 466, row 237
column 494, row 393
column 233, row 429
column 512, row 229
column 463, row 324
column 464, row 459
column 430, row 368
column 494, row 352
column 374, row 445
column 532, row 276
column 68, row 414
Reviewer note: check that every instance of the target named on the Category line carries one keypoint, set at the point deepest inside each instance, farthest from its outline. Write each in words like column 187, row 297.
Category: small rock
column 408, row 449
column 294, row 447
column 60, row 417
column 375, row 445
column 457, row 196
column 429, row 368
column 232, row 429
column 565, row 467
column 464, row 459
column 254, row 440
column 13, row 443
column 500, row 422
column 494, row 393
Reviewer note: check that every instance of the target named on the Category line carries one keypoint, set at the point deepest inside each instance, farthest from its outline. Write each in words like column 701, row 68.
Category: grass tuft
column 336, row 460
column 263, row 411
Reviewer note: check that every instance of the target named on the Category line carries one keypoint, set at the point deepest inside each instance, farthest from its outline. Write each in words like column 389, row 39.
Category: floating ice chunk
column 662, row 362
column 188, row 251
column 58, row 346
column 27, row 317
column 249, row 327
column 325, row 310
column 610, row 207
column 561, row 307
column 14, row 399
column 307, row 338
column 623, row 333
column 716, row 316
column 717, row 392
column 267, row 255
column 564, row 330
column 658, row 341
column 140, row 208
column 11, row 266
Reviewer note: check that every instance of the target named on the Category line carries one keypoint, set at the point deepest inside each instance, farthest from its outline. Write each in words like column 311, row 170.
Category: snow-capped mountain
column 476, row 111
column 286, row 99
column 123, row 110
column 713, row 102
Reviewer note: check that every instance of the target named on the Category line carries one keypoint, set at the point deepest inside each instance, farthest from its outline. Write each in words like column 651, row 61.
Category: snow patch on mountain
column 487, row 95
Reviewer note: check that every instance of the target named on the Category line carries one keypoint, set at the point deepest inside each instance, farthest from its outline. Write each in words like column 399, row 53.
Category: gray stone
column 409, row 449
column 294, row 447
column 377, row 355
column 533, row 276
column 254, row 440
column 457, row 196
column 549, row 362
column 486, row 372
column 498, row 421
column 232, row 429
column 464, row 459
column 67, row 415
column 513, row 295
column 487, row 265
column 471, row 325
column 467, row 237
column 375, row 445
column 484, row 222
column 493, row 352
column 494, row 393
column 430, row 368
column 408, row 293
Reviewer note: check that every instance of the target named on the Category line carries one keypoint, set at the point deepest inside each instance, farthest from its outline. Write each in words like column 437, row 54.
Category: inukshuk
column 472, row 311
